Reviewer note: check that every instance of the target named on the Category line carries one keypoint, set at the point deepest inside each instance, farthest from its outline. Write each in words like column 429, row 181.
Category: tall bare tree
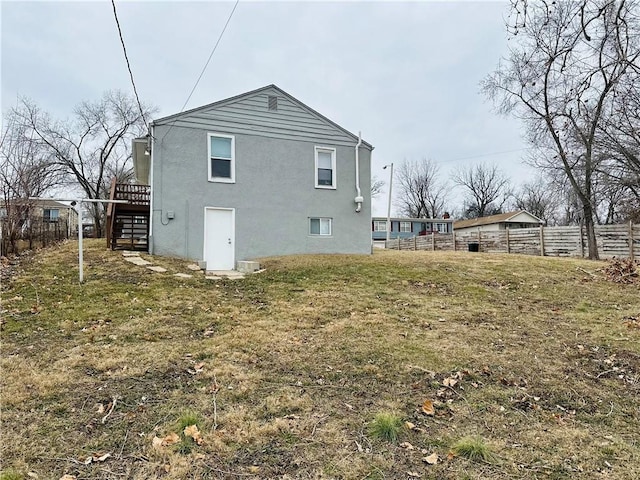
column 421, row 192
column 376, row 186
column 540, row 198
column 566, row 63
column 486, row 189
column 94, row 145
column 25, row 172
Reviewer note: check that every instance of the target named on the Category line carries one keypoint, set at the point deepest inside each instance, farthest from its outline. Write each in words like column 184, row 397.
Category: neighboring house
column 409, row 227
column 47, row 211
column 502, row 221
column 260, row 174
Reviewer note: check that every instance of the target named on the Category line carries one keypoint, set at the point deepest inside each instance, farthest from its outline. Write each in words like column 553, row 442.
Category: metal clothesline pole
column 79, row 202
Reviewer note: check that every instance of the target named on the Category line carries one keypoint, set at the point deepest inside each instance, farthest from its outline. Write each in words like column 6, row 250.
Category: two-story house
column 256, row 175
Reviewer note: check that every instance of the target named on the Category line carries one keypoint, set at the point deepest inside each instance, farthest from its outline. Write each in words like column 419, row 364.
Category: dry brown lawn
column 283, row 372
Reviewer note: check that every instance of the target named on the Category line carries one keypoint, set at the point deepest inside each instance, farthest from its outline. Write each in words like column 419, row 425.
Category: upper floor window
column 379, row 225
column 405, row 227
column 221, row 158
column 325, row 167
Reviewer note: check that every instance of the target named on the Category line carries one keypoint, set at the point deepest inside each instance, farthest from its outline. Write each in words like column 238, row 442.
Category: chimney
column 446, row 215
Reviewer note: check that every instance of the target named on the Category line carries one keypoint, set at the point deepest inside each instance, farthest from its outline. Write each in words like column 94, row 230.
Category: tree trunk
column 589, row 225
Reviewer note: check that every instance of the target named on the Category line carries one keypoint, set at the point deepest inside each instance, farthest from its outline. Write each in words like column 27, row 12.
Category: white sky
column 406, row 74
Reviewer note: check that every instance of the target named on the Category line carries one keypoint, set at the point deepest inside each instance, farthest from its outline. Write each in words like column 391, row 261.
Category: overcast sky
column 405, row 74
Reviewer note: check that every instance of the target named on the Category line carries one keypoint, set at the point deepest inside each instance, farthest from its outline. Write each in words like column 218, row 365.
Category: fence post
column 631, row 256
column 508, row 247
column 479, row 243
column 398, row 242
column 453, row 236
column 541, row 241
column 433, row 241
column 414, row 243
column 581, row 241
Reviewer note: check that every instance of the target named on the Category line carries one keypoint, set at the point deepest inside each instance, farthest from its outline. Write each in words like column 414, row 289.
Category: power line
column 126, row 57
column 205, row 65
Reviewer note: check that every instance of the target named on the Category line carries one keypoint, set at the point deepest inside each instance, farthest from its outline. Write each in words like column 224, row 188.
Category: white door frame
column 233, row 233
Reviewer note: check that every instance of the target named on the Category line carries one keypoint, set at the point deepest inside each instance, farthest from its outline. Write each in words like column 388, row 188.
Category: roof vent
column 273, row 102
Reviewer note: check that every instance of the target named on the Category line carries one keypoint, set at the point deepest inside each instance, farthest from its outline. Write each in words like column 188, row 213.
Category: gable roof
column 499, row 218
column 171, row 119
column 42, row 202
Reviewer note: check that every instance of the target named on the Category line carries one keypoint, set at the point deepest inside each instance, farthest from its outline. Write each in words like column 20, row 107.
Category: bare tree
column 25, row 172
column 376, row 187
column 561, row 76
column 539, row 198
column 486, row 188
column 421, row 192
column 95, row 145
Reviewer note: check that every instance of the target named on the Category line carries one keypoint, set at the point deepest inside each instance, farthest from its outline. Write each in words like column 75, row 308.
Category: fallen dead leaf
column 254, row 469
column 67, row 477
column 101, row 458
column 413, row 474
column 407, row 445
column 193, row 432
column 167, row 441
column 431, row 459
column 99, row 408
column 428, row 408
column 409, row 425
column 449, row 382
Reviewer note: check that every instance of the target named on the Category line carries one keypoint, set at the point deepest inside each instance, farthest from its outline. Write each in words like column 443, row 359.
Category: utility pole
column 389, row 203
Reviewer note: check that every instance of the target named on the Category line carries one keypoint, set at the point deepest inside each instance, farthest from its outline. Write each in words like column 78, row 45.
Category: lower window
column 320, row 226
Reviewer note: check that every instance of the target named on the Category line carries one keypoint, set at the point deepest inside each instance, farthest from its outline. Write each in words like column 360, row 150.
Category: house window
column 325, row 167
column 405, row 227
column 379, row 226
column 441, row 227
column 221, row 158
column 273, row 102
column 320, row 226
column 50, row 214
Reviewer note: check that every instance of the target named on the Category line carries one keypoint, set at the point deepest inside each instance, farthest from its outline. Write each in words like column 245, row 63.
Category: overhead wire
column 213, row 50
column 126, row 57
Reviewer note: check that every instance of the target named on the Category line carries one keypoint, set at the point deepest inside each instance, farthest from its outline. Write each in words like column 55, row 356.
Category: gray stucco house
column 259, row 174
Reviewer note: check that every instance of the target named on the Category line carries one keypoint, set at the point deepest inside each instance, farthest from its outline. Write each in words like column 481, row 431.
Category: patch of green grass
column 11, row 475
column 386, row 426
column 186, row 419
column 474, row 448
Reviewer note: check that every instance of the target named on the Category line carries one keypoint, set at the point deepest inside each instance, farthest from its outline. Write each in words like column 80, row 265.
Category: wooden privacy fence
column 621, row 241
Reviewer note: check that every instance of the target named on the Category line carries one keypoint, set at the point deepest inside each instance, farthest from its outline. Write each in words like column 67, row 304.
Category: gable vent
column 273, row 102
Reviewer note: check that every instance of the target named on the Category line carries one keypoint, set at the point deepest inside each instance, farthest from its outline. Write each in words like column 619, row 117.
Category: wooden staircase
column 128, row 223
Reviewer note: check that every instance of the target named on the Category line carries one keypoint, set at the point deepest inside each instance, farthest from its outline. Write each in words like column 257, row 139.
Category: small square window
column 379, row 225
column 51, row 214
column 405, row 227
column 221, row 158
column 320, row 226
column 325, row 167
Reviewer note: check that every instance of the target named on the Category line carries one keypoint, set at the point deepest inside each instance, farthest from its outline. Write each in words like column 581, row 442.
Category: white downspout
column 359, row 200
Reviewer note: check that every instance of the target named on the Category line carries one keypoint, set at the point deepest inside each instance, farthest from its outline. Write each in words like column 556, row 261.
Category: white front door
column 219, row 238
